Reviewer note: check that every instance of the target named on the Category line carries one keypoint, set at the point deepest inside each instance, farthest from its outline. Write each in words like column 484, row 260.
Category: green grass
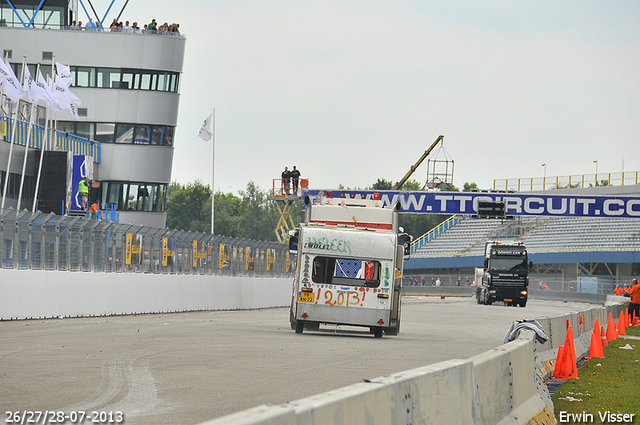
column 609, row 384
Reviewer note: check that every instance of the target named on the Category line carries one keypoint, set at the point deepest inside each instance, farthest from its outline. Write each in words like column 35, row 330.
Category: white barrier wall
column 43, row 294
column 501, row 386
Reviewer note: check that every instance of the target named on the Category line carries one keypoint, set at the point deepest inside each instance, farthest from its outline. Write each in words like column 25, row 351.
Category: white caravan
column 350, row 255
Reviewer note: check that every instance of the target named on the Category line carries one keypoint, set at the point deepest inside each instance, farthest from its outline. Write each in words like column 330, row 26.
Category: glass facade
column 49, row 17
column 13, row 186
column 126, row 79
column 141, row 134
column 112, row 78
column 132, row 196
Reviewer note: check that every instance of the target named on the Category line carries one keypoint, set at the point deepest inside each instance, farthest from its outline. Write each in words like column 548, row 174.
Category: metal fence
column 41, row 241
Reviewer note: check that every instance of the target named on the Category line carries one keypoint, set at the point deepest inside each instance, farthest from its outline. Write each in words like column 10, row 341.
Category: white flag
column 45, row 90
column 60, row 99
column 205, row 131
column 12, row 87
column 31, row 88
column 64, row 74
column 74, row 111
column 73, row 98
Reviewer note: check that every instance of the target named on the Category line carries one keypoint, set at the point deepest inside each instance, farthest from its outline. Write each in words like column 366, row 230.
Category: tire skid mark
column 130, row 389
column 110, row 386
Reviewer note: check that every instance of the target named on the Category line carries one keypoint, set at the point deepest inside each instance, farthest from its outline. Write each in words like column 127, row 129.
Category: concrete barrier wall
column 45, row 294
column 501, row 386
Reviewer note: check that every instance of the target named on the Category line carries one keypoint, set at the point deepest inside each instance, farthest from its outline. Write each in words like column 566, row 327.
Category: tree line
column 253, row 214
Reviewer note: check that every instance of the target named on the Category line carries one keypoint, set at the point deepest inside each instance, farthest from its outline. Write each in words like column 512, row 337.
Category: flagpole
column 213, row 167
column 45, row 144
column 13, row 135
column 26, row 144
column 45, row 140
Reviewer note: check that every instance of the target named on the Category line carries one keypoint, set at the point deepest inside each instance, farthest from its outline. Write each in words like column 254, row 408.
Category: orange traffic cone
column 595, row 349
column 636, row 321
column 603, row 337
column 566, row 366
column 611, row 332
column 621, row 324
column 559, row 360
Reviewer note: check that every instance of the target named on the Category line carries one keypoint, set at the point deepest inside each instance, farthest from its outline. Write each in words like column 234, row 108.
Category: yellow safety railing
column 624, row 178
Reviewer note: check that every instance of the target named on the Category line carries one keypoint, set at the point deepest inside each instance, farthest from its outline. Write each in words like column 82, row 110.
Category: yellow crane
column 417, row 164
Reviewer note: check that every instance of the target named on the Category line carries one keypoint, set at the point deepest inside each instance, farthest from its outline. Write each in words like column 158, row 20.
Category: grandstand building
column 128, row 83
column 589, row 254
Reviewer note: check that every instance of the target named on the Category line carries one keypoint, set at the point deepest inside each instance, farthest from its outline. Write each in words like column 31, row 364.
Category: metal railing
column 59, row 140
column 41, row 241
column 439, row 229
column 625, row 178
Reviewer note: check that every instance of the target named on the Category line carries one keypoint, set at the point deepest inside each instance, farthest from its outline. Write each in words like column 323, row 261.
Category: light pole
column 545, row 169
column 595, row 161
column 544, row 179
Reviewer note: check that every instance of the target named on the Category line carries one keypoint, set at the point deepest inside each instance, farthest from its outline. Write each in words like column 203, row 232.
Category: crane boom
column 417, row 164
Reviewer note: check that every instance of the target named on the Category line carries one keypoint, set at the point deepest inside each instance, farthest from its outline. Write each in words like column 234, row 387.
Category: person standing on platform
column 286, row 175
column 83, row 193
column 295, row 177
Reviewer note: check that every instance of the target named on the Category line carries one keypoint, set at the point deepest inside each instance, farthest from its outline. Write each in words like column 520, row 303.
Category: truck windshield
column 506, row 264
column 346, row 271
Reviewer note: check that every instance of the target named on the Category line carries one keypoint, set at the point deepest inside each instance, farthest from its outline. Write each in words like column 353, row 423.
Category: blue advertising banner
column 82, row 167
column 466, row 203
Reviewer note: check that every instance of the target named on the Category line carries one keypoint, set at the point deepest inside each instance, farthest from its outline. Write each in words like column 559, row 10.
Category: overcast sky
column 353, row 91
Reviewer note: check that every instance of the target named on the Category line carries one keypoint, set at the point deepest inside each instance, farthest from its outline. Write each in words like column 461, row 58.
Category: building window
column 13, row 186
column 48, row 17
column 108, row 78
column 111, row 78
column 145, row 134
column 104, row 132
column 124, row 133
column 83, row 76
column 130, row 196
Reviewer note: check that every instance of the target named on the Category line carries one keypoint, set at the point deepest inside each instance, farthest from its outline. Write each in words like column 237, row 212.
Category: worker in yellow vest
column 83, row 192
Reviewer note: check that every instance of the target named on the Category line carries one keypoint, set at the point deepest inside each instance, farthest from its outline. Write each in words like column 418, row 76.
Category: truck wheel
column 393, row 331
column 378, row 333
column 523, row 304
column 292, row 320
column 299, row 327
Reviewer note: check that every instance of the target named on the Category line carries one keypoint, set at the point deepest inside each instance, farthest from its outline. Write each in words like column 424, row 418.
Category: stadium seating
column 539, row 234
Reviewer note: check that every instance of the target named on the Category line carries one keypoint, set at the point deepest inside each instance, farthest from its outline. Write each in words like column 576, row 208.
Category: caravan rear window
column 346, row 271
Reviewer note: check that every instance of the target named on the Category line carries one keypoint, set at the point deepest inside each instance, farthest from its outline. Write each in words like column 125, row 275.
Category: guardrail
column 37, row 241
column 504, row 385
